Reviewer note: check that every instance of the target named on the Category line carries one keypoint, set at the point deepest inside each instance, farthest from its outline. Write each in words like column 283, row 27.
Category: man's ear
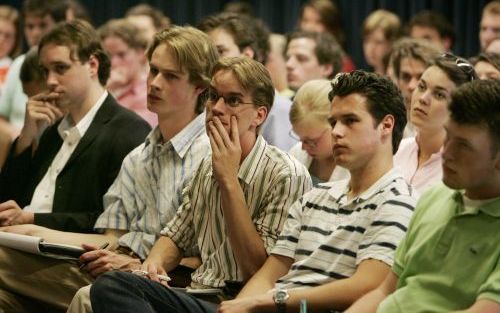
column 247, row 51
column 93, row 65
column 387, row 125
column 261, row 116
column 327, row 70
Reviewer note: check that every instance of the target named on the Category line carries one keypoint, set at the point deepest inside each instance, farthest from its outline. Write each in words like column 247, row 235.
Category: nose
column 424, row 98
column 219, row 106
column 289, row 64
column 154, row 81
column 51, row 80
column 114, row 61
column 413, row 84
column 337, row 130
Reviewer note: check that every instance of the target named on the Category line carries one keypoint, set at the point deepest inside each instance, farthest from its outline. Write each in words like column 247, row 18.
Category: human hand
column 243, row 305
column 226, row 150
column 41, row 111
column 98, row 261
column 154, row 271
column 12, row 214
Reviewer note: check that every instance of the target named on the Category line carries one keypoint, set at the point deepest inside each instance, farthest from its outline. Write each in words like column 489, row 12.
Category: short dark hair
column 245, row 30
column 30, row 69
column 82, row 40
column 55, row 8
column 435, row 21
column 329, row 15
column 160, row 21
column 458, row 70
column 327, row 49
column 417, row 49
column 477, row 103
column 382, row 98
column 488, row 57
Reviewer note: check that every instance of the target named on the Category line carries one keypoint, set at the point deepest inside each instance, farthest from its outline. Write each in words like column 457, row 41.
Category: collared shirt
column 328, row 236
column 147, row 192
column 43, row 196
column 338, row 173
column 406, row 158
column 450, row 257
column 277, row 126
column 271, row 181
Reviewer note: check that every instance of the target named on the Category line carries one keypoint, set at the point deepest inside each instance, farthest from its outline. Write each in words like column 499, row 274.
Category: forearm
column 275, row 267
column 165, row 254
column 246, row 243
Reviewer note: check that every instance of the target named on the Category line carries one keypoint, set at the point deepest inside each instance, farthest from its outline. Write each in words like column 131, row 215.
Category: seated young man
column 339, row 240
column 145, row 195
column 449, row 260
column 233, row 208
column 74, row 138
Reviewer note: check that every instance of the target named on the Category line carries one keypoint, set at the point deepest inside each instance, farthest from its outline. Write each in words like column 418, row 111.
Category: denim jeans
column 126, row 292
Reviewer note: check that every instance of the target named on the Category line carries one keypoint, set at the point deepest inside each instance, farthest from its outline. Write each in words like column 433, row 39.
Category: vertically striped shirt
column 328, row 235
column 271, row 181
column 147, row 191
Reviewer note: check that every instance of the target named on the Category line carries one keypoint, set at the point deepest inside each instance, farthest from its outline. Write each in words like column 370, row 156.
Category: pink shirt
column 427, row 175
column 134, row 97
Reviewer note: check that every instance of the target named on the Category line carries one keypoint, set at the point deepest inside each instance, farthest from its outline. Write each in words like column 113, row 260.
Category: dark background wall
column 281, row 15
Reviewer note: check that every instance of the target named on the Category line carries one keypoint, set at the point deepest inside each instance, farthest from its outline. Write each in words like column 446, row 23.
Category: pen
column 103, row 246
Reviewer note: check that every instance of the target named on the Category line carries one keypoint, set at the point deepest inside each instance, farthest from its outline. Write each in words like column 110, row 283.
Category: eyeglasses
column 463, row 64
column 232, row 100
column 312, row 143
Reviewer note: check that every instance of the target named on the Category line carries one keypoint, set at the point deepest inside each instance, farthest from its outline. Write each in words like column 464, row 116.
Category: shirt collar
column 339, row 189
column 466, row 206
column 183, row 140
column 68, row 128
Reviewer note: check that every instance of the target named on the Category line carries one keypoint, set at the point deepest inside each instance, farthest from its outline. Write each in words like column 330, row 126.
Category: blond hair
column 387, row 21
column 193, row 51
column 311, row 102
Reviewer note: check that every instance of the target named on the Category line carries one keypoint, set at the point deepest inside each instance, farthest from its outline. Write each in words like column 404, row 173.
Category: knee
column 107, row 284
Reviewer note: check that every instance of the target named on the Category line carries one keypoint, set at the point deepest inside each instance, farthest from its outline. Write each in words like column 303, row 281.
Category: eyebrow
column 436, row 86
column 169, row 70
column 231, row 93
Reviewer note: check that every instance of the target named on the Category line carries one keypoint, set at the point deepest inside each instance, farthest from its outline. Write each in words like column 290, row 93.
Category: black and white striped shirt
column 328, row 235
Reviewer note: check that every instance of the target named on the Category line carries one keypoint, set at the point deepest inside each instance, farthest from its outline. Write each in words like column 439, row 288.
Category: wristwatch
column 280, row 296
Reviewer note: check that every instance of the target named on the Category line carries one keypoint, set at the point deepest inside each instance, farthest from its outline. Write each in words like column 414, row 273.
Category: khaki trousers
column 25, row 277
column 81, row 301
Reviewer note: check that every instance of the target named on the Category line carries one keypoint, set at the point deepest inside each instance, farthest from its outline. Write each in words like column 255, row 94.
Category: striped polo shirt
column 147, row 192
column 328, row 235
column 271, row 181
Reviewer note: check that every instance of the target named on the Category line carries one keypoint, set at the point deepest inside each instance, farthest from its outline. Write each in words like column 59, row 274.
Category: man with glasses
column 449, row 260
column 233, row 208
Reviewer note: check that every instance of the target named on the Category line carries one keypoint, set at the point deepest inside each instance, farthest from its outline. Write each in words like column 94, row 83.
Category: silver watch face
column 281, row 296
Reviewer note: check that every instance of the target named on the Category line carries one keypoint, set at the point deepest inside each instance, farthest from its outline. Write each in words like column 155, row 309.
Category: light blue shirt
column 12, row 98
column 276, row 128
column 147, row 192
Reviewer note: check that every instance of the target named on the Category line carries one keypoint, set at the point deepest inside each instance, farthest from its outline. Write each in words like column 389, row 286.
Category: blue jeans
column 126, row 292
